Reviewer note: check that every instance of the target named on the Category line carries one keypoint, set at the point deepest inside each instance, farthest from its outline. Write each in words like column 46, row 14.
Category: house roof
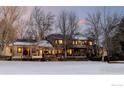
column 55, row 36
column 44, row 43
column 60, row 36
column 24, row 42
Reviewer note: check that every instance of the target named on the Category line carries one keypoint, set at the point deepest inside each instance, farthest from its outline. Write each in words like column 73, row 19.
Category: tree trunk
column 65, row 48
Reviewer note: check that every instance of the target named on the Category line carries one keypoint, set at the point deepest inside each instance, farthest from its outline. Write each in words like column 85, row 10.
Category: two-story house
column 75, row 47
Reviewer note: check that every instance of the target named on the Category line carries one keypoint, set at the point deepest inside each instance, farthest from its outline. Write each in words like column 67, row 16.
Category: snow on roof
column 45, row 43
column 23, row 43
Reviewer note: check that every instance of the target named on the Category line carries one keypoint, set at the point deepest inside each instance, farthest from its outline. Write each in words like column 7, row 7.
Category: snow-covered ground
column 74, row 67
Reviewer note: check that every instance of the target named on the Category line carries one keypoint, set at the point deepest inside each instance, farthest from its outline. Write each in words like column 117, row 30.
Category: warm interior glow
column 79, row 42
column 53, row 52
column 59, row 51
column 19, row 50
column 49, row 51
column 56, row 42
column 60, row 41
column 41, row 52
column 73, row 42
column 90, row 43
column 85, row 42
column 76, row 43
column 69, row 51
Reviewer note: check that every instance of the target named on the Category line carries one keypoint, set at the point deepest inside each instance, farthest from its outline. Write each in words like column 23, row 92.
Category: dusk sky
column 81, row 11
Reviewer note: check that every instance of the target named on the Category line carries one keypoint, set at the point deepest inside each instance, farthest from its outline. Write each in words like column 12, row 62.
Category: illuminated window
column 59, row 51
column 56, row 41
column 76, row 42
column 73, row 42
column 69, row 51
column 53, row 52
column 90, row 43
column 79, row 42
column 19, row 50
column 49, row 51
column 85, row 42
column 60, row 42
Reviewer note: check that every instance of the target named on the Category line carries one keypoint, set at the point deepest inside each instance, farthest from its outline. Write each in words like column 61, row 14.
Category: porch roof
column 23, row 42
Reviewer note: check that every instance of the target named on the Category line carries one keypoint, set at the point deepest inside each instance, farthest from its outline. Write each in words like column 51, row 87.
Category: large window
column 75, row 42
column 69, row 51
column 78, row 42
column 90, row 43
column 19, row 50
column 59, row 42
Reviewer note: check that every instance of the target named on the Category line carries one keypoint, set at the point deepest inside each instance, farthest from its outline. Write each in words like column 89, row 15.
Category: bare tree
column 41, row 22
column 28, row 32
column 94, row 28
column 9, row 23
column 67, row 23
column 73, row 25
column 109, row 25
column 103, row 23
column 63, row 26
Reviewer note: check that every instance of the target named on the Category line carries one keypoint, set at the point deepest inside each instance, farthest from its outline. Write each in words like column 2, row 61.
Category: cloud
column 82, row 22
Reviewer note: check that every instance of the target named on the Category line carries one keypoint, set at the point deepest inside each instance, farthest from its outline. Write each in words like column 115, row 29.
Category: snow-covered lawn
column 74, row 67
